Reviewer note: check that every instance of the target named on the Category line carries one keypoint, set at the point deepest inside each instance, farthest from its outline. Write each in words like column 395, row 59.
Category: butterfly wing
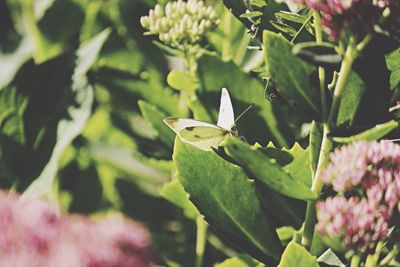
column 200, row 134
column 226, row 118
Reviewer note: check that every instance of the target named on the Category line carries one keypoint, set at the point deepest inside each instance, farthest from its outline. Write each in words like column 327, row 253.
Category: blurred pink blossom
column 34, row 233
column 359, row 16
column 367, row 177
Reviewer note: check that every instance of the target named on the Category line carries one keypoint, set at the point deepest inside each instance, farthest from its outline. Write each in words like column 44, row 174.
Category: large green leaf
column 269, row 121
column 78, row 114
column 227, row 199
column 267, row 171
column 290, row 75
column 296, row 255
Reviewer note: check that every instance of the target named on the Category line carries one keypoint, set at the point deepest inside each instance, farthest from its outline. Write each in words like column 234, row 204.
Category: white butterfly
column 205, row 135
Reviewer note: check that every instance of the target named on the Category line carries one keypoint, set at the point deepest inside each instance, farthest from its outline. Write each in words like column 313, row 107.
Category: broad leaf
column 393, row 64
column 265, row 170
column 296, row 255
column 330, row 258
column 290, row 75
column 227, row 199
column 79, row 113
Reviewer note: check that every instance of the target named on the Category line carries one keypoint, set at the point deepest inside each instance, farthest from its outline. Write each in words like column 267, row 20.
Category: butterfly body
column 202, row 134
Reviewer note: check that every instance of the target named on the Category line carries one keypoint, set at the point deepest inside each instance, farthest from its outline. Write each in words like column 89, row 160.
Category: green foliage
column 296, row 255
column 228, row 200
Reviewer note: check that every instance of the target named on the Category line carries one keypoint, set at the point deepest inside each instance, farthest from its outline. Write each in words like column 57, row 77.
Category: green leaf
column 78, row 114
column 175, row 193
column 290, row 75
column 251, row 14
column 329, row 257
column 315, row 144
column 266, row 170
column 269, row 121
column 227, row 199
column 290, row 16
column 296, row 255
column 258, row 3
column 351, row 100
column 49, row 40
column 299, row 168
column 372, row 134
column 283, row 27
column 239, row 261
column 10, row 63
column 12, row 108
column 155, row 117
column 180, row 80
column 393, row 64
column 317, row 54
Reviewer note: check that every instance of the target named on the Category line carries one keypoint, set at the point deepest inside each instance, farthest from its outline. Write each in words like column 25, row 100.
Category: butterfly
column 205, row 135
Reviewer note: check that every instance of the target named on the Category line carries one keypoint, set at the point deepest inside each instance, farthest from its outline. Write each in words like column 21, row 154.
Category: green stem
column 301, row 29
column 389, row 257
column 241, row 51
column 31, row 27
column 345, row 70
column 326, row 145
column 321, row 70
column 372, row 260
column 201, row 240
column 226, row 45
column 355, row 261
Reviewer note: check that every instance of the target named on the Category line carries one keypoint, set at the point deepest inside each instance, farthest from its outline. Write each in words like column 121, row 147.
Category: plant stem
column 326, row 145
column 201, row 240
column 226, row 45
column 355, row 261
column 389, row 257
column 372, row 260
column 321, row 70
column 301, row 29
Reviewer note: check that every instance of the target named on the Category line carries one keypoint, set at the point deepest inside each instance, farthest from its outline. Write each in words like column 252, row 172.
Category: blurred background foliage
column 82, row 98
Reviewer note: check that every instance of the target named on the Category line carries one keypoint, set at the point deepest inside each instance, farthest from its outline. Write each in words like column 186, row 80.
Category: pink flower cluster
column 367, row 177
column 359, row 16
column 34, row 233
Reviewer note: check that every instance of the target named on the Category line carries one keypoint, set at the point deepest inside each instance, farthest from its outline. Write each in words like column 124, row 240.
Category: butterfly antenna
column 244, row 112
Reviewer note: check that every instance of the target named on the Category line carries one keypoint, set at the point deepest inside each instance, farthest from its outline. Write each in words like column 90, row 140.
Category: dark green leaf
column 290, row 16
column 265, row 170
column 290, row 75
column 393, row 64
column 227, row 199
column 69, row 128
column 351, row 100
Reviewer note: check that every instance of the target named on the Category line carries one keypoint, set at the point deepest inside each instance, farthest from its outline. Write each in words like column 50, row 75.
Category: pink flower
column 34, row 233
column 367, row 177
column 359, row 16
